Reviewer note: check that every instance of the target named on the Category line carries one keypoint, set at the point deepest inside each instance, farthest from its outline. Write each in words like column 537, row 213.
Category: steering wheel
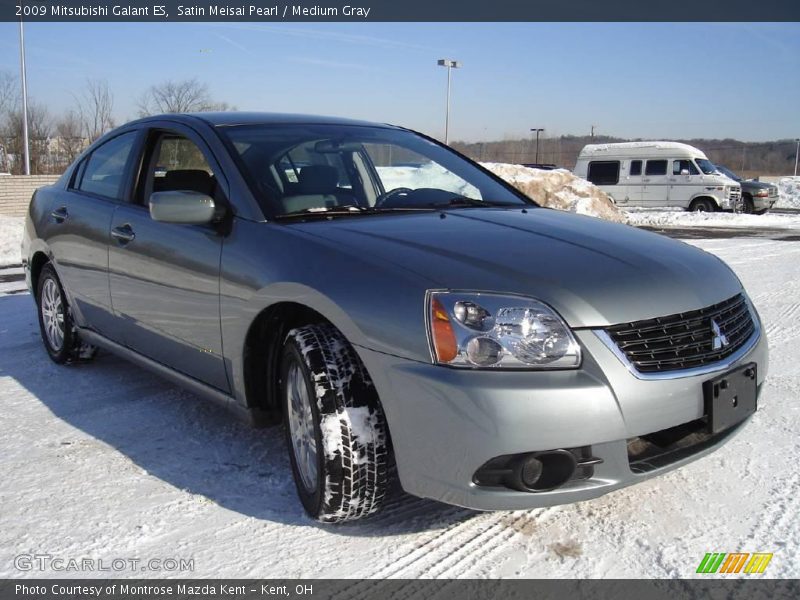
column 387, row 197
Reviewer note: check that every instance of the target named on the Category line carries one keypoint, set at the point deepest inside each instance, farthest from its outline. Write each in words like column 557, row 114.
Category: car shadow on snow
column 187, row 442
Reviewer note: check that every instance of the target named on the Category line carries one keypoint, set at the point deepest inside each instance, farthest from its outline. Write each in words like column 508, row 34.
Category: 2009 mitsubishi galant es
column 394, row 304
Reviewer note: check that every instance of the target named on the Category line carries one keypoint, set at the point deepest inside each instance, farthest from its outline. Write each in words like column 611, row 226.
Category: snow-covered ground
column 107, row 461
column 10, row 239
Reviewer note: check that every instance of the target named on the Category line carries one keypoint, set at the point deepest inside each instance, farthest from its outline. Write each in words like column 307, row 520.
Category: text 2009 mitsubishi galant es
column 394, row 304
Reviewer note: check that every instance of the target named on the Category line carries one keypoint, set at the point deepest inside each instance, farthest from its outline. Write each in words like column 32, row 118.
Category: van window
column 656, row 167
column 680, row 165
column 636, row 167
column 604, row 173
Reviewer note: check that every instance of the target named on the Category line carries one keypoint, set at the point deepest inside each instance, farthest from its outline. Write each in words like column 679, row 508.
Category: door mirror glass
column 182, row 206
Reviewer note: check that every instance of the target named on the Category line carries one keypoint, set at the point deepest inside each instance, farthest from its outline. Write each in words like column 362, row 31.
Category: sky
column 633, row 80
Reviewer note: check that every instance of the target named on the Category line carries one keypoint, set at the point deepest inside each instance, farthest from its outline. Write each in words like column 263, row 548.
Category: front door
column 164, row 277
column 684, row 182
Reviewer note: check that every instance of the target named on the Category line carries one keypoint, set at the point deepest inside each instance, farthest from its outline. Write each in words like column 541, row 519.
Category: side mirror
column 182, row 206
column 684, row 171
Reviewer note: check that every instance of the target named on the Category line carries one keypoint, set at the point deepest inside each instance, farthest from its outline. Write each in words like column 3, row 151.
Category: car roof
column 225, row 119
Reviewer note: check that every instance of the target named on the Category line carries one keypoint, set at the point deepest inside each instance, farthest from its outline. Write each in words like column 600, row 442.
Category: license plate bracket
column 730, row 398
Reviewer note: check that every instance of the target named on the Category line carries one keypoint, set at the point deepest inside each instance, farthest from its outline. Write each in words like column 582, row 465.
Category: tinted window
column 105, row 167
column 684, row 165
column 636, row 167
column 656, row 167
column 604, row 173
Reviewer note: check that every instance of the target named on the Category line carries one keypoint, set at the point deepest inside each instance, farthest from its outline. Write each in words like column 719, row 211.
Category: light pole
column 450, row 64
column 796, row 156
column 24, row 81
column 538, row 130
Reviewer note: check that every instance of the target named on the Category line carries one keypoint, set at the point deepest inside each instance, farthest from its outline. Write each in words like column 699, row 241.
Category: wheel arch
column 37, row 261
column 699, row 197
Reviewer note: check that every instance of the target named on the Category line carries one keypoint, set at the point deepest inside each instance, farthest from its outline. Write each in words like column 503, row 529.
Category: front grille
column 735, row 193
column 773, row 192
column 685, row 340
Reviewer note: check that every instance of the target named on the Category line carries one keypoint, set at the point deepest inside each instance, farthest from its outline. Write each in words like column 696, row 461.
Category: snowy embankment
column 679, row 219
column 559, row 189
column 105, row 461
column 10, row 240
column 789, row 193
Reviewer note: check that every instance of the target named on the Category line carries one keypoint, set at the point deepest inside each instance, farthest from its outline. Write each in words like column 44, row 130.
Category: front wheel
column 702, row 205
column 335, row 428
column 748, row 207
column 59, row 335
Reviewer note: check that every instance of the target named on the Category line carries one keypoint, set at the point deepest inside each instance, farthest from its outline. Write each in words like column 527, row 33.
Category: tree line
column 748, row 159
column 56, row 140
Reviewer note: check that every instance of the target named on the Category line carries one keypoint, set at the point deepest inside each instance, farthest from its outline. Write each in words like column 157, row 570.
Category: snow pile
column 10, row 240
column 680, row 219
column 559, row 189
column 788, row 193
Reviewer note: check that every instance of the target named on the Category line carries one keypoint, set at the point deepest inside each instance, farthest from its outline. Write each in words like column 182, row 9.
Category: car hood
column 594, row 273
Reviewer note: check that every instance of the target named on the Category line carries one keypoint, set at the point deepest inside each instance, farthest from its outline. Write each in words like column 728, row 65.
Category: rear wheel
column 702, row 205
column 60, row 337
column 335, row 428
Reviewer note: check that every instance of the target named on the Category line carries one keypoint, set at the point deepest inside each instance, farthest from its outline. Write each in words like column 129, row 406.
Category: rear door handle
column 123, row 234
column 60, row 214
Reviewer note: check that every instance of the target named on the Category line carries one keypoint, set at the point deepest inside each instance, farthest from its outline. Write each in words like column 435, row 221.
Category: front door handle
column 60, row 214
column 123, row 234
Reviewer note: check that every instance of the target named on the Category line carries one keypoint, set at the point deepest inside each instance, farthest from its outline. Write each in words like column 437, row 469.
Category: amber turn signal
column 444, row 339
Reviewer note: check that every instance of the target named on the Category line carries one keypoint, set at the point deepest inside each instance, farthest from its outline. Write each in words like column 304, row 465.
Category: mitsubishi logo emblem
column 720, row 340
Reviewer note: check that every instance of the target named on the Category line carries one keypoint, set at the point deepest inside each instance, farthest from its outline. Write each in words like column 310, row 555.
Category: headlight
column 472, row 329
column 762, row 194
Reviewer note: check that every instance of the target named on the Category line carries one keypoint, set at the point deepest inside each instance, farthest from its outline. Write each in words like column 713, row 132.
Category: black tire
column 60, row 337
column 702, row 205
column 748, row 207
column 351, row 468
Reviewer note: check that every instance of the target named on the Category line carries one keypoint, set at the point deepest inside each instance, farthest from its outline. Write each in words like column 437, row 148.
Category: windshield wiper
column 460, row 201
column 347, row 210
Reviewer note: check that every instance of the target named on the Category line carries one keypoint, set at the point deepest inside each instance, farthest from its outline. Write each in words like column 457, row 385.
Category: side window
column 604, row 172
column 104, row 169
column 180, row 165
column 684, row 165
column 636, row 167
column 656, row 167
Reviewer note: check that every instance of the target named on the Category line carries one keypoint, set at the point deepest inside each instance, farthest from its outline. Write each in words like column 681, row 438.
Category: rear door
column 164, row 277
column 81, row 218
column 655, row 191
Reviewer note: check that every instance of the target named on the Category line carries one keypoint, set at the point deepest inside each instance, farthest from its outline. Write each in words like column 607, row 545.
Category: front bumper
column 764, row 203
column 446, row 423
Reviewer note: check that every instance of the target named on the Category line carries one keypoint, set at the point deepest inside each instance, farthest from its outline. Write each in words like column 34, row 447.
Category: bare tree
column 39, row 129
column 71, row 139
column 179, row 96
column 95, row 109
column 8, row 92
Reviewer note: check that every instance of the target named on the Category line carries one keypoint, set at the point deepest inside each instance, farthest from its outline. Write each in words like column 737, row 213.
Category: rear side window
column 636, row 167
column 656, row 167
column 684, row 165
column 104, row 170
column 604, row 172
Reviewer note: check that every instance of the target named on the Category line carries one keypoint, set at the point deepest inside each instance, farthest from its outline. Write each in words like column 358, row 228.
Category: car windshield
column 706, row 166
column 311, row 170
column 728, row 173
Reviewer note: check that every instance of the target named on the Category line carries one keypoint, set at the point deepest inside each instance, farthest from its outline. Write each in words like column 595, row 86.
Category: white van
column 658, row 174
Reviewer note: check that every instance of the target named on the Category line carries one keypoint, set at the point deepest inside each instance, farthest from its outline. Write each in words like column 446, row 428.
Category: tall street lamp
column 450, row 64
column 538, row 130
column 24, row 81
